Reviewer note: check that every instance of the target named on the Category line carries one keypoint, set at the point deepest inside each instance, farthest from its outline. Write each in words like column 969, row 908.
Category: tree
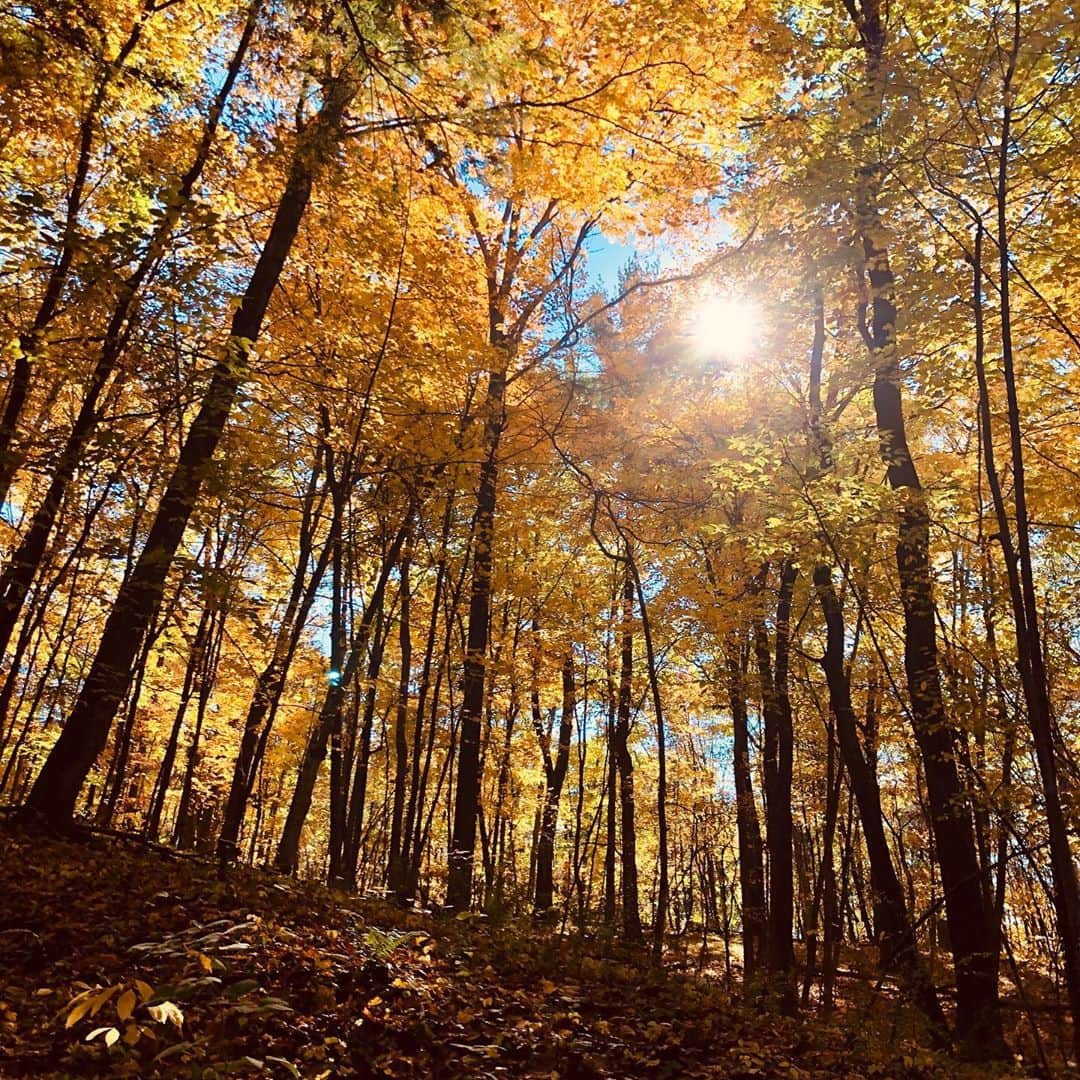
column 54, row 793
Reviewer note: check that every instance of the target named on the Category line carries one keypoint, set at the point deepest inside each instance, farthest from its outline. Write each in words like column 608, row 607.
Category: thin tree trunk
column 555, row 776
column 1033, row 673
column 343, row 867
column 467, row 795
column 396, row 868
column 631, row 914
column 418, row 776
column 30, row 342
column 271, row 680
column 185, row 828
column 778, row 761
column 751, row 852
column 825, row 885
column 610, row 853
column 663, row 884
column 892, row 923
column 286, row 859
column 335, row 702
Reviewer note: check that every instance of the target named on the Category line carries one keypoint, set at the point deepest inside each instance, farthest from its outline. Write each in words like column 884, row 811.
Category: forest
column 491, row 483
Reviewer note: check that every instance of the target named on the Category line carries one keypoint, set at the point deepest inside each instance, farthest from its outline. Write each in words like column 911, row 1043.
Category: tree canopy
column 610, row 463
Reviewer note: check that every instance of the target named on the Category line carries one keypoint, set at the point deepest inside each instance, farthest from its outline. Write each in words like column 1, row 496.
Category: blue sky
column 606, row 259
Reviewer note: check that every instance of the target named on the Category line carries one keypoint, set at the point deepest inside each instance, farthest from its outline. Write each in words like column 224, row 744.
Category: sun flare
column 726, row 326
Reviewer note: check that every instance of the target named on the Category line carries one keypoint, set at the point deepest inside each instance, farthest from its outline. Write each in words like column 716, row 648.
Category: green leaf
column 287, row 1065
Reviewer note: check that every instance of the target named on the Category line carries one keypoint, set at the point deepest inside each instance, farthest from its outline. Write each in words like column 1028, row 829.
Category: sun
column 726, row 326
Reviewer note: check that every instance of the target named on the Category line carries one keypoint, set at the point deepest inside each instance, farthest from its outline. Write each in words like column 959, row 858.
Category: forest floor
column 122, row 960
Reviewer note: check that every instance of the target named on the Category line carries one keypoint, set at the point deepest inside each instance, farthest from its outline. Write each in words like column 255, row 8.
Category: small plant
column 128, row 1000
column 383, row 943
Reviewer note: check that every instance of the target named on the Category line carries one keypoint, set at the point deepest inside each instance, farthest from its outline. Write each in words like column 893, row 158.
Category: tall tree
column 56, row 788
column 971, row 925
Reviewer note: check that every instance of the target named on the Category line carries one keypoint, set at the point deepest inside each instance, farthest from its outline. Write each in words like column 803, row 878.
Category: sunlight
column 726, row 326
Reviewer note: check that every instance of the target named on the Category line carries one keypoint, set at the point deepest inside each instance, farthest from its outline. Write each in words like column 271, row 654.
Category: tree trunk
column 663, row 884
column 467, row 792
column 25, row 563
column 631, row 915
column 418, row 779
column 555, row 776
column 824, row 895
column 271, row 680
column 895, row 935
column 152, row 825
column 53, row 796
column 30, row 342
column 611, row 795
column 186, row 829
column 338, row 782
column 288, row 850
column 778, row 759
column 343, row 864
column 751, row 855
column 396, row 867
column 972, row 932
column 1033, row 674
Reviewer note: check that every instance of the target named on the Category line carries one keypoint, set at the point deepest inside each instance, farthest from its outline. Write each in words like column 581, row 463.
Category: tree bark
column 897, row 946
column 1033, row 674
column 288, row 850
column 467, row 792
column 663, row 886
column 271, row 680
column 972, row 933
column 778, row 761
column 344, row 862
column 396, row 867
column 30, row 342
column 631, row 915
column 53, row 796
column 25, row 563
column 152, row 825
column 751, row 852
column 554, row 777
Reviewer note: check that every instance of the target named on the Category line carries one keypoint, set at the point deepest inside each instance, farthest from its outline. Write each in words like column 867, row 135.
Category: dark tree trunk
column 751, row 852
column 152, row 825
column 611, row 795
column 271, row 680
column 25, row 563
column 344, row 862
column 892, row 928
column 892, row 924
column 422, row 831
column 778, row 759
column 973, row 935
column 554, row 777
column 467, row 792
column 1033, row 674
column 31, row 341
column 631, row 915
column 396, row 867
column 663, row 886
column 337, row 483
column 186, row 827
column 286, row 859
column 824, row 895
column 418, row 782
column 53, row 796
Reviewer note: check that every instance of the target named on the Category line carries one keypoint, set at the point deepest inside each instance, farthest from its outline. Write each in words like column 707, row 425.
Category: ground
column 123, row 960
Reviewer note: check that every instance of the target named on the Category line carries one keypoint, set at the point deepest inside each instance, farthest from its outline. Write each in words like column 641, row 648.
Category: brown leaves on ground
column 122, row 961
